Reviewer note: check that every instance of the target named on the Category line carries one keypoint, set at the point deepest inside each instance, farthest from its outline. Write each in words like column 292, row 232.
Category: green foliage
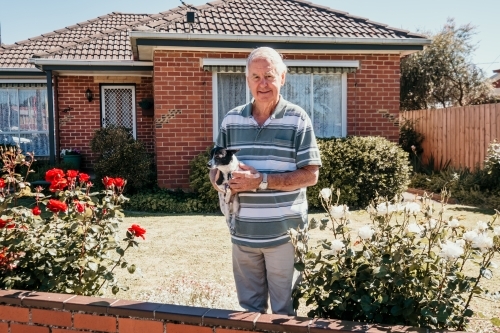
column 443, row 74
column 120, row 155
column 492, row 165
column 163, row 200
column 361, row 167
column 200, row 181
column 411, row 142
column 404, row 268
column 70, row 247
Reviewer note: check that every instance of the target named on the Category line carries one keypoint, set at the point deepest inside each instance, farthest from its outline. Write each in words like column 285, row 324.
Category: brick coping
column 187, row 315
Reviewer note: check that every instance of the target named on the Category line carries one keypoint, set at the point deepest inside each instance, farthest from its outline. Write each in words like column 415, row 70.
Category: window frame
column 104, row 86
column 289, row 63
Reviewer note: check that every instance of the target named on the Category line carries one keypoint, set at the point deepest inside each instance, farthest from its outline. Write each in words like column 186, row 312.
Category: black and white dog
column 226, row 161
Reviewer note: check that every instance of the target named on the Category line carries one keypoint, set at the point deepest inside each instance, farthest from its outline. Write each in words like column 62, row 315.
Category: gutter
column 280, row 39
column 59, row 62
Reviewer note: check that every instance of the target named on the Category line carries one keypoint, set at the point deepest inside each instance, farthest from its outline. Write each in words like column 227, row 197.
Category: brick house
column 57, row 88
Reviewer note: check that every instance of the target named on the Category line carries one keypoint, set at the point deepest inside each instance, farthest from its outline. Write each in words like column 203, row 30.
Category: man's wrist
column 263, row 183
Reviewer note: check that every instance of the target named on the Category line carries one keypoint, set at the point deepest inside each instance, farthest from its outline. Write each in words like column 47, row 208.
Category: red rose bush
column 66, row 241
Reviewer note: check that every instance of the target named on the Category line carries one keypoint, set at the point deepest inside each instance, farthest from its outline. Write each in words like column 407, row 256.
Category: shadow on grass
column 133, row 213
column 486, row 211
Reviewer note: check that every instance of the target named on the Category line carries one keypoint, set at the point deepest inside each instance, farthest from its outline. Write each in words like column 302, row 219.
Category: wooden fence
column 460, row 135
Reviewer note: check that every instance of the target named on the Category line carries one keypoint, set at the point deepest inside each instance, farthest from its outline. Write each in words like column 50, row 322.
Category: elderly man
column 278, row 148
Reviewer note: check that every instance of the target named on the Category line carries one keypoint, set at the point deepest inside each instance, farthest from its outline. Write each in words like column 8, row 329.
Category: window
column 118, row 106
column 321, row 95
column 24, row 117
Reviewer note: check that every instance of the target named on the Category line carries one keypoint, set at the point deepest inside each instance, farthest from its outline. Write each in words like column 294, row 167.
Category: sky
column 22, row 19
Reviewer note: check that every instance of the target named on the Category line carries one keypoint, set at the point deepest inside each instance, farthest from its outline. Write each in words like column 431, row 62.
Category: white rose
column 339, row 211
column 460, row 242
column 469, row 235
column 386, row 208
column 451, row 250
column 337, row 246
column 482, row 225
column 326, row 193
column 453, row 223
column 432, row 223
column 366, row 232
column 482, row 242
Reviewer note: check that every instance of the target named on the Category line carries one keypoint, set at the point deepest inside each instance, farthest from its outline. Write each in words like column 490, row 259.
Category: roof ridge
column 365, row 19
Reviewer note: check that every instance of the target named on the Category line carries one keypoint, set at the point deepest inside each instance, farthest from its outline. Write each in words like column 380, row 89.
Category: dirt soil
column 186, row 259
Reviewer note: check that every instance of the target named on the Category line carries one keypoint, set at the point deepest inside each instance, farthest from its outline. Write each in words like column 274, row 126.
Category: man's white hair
column 269, row 54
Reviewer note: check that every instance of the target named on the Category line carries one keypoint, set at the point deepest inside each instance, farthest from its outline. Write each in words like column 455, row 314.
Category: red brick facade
column 77, row 126
column 182, row 124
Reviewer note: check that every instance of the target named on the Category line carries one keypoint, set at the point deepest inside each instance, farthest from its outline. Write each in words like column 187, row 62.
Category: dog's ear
column 212, row 152
column 233, row 151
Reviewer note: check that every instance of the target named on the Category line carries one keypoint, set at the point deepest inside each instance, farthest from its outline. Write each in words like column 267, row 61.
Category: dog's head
column 221, row 157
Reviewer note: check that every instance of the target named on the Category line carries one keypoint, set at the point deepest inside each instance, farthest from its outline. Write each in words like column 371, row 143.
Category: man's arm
column 249, row 179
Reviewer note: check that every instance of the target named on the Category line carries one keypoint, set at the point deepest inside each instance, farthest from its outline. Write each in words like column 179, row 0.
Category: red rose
column 2, row 183
column 108, row 182
column 119, row 182
column 3, row 224
column 84, row 177
column 137, row 231
column 58, row 184
column 72, row 173
column 36, row 210
column 54, row 174
column 57, row 206
column 80, row 207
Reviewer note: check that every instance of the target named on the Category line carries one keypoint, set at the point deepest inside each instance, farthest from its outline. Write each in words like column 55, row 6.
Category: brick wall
column 37, row 312
column 183, row 105
column 77, row 126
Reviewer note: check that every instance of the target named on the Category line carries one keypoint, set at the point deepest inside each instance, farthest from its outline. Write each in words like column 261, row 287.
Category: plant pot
column 73, row 161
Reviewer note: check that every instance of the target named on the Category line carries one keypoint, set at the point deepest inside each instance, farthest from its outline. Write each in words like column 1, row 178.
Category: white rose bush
column 404, row 268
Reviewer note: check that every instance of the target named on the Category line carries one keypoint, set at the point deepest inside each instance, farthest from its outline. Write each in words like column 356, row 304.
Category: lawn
column 186, row 259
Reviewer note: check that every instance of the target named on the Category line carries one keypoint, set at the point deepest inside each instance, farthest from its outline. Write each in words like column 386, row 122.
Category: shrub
column 404, row 268
column 363, row 167
column 72, row 246
column 163, row 200
column 120, row 155
column 200, row 182
column 492, row 165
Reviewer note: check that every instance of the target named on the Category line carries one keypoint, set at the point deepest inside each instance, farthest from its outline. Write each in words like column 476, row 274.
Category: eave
column 94, row 68
column 144, row 43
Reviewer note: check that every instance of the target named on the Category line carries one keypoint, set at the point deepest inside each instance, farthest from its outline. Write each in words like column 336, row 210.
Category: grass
column 186, row 260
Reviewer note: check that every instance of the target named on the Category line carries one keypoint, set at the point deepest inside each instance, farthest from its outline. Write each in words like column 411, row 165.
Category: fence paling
column 460, row 134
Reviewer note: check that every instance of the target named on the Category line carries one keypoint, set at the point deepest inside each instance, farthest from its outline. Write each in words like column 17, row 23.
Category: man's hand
column 246, row 179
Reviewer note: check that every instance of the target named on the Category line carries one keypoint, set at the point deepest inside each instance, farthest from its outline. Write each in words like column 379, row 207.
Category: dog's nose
column 209, row 164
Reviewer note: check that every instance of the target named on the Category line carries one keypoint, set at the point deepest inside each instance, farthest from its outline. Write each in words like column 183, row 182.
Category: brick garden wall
column 25, row 312
column 77, row 126
column 183, row 105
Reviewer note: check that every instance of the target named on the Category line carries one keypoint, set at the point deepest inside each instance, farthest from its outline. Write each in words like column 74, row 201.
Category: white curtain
column 231, row 92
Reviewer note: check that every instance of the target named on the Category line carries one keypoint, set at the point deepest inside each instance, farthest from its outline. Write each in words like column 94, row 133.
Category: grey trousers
column 265, row 273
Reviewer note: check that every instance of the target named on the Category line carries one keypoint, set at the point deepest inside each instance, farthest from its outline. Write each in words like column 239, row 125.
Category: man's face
column 264, row 81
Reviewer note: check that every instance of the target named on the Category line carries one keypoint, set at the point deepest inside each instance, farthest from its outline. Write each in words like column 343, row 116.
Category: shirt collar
column 279, row 110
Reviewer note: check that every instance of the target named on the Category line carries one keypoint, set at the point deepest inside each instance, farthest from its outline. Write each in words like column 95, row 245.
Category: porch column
column 50, row 101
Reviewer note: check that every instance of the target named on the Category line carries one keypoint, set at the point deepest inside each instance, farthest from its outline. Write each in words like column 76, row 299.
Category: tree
column 443, row 75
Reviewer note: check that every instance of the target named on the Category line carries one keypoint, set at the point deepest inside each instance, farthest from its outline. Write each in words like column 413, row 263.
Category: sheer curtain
column 320, row 95
column 231, row 92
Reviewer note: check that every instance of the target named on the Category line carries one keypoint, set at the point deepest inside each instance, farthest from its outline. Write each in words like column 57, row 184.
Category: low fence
column 37, row 312
column 460, row 134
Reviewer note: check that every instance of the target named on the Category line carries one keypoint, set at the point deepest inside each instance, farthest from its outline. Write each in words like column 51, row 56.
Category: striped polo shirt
column 285, row 143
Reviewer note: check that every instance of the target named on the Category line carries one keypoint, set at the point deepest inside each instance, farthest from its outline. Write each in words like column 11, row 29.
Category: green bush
column 200, row 182
column 362, row 167
column 163, row 200
column 120, row 155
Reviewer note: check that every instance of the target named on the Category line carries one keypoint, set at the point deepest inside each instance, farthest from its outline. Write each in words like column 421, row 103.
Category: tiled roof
column 106, row 37
column 272, row 18
column 106, row 33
